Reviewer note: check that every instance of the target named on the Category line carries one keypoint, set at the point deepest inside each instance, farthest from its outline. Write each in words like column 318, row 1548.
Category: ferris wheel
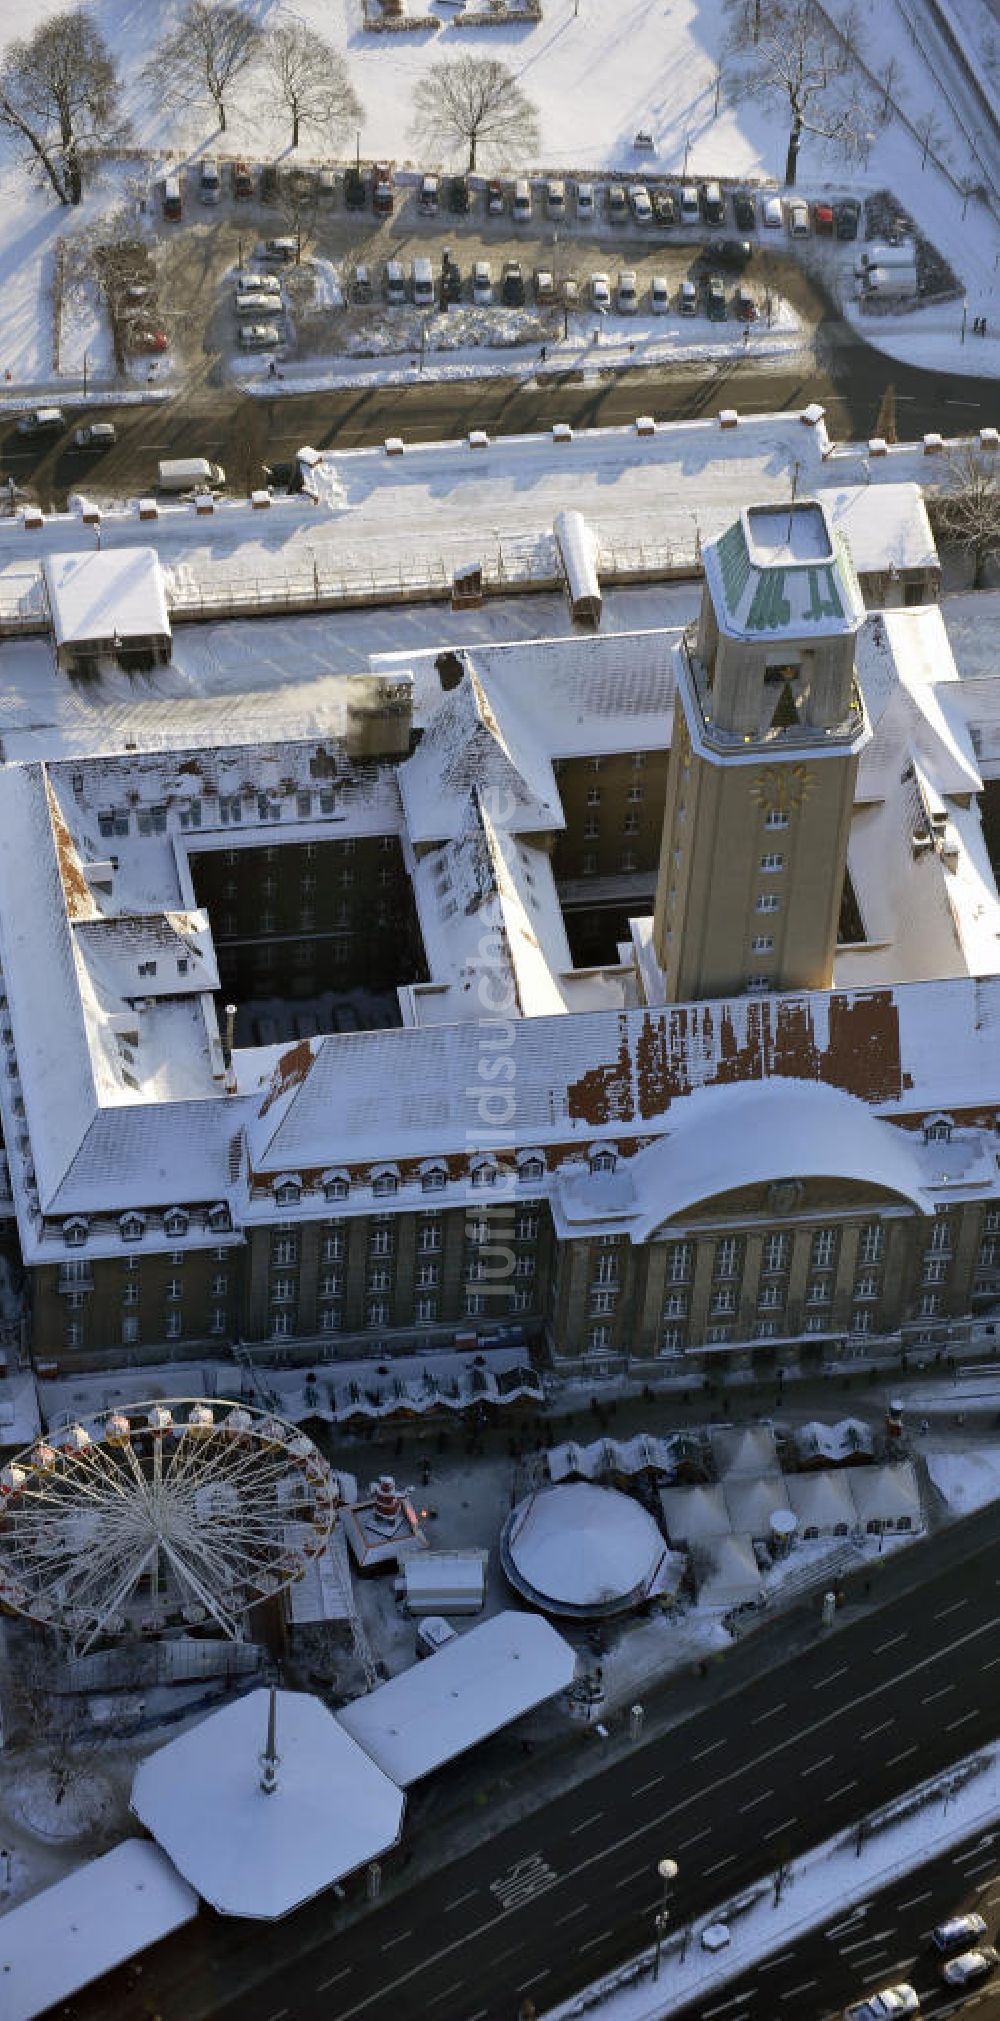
column 157, row 1516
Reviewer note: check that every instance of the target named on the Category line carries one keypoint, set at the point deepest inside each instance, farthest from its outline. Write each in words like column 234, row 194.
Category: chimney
column 229, row 1040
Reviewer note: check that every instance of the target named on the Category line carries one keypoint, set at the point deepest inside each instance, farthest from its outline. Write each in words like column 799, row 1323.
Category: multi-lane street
column 804, row 1732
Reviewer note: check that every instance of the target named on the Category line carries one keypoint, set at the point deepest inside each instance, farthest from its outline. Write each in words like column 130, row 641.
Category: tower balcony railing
column 790, row 737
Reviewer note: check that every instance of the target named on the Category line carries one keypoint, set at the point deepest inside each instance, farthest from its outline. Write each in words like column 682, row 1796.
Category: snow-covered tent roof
column 102, row 1913
column 106, row 593
column 581, row 1549
column 645, row 1452
column 821, row 1501
column 253, row 1853
column 884, row 1494
column 752, row 1503
column 743, row 1449
column 848, row 1439
column 467, row 1690
column 694, row 1514
column 731, row 1577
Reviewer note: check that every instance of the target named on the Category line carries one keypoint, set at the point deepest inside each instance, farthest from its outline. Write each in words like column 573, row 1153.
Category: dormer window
column 336, row 1185
column 175, row 1221
column 434, row 1179
column 384, row 1182
column 484, row 1173
column 603, row 1160
column 218, row 1218
column 75, row 1232
column 938, row 1129
column 132, row 1227
column 288, row 1191
column 530, row 1168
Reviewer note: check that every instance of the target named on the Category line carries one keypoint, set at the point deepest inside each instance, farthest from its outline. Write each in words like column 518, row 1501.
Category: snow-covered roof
column 694, row 1514
column 849, row 1438
column 884, row 1494
column 56, row 1942
column 472, row 743
column 885, row 525
column 752, row 1503
column 253, row 1853
column 822, row 1501
column 105, row 594
column 743, row 1449
column 480, row 1682
column 579, row 1547
column 729, row 1575
column 781, row 572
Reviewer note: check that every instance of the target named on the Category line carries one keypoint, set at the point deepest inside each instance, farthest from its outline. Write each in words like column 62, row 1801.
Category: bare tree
column 968, row 512
column 930, row 134
column 201, row 59
column 59, row 93
column 311, row 80
column 888, row 78
column 476, row 102
column 795, row 59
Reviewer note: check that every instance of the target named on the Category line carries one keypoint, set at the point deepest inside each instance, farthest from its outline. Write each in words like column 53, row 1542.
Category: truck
column 890, row 284
column 190, row 473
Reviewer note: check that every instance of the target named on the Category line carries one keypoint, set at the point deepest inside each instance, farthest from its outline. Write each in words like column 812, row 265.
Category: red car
column 382, row 200
column 823, row 220
column 148, row 340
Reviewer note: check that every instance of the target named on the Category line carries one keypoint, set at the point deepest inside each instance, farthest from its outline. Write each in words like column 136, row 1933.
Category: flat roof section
column 782, row 535
column 74, row 1932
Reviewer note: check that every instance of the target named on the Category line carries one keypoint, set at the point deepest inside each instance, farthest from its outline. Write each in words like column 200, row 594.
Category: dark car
column 847, row 217
column 451, row 280
column 664, row 207
column 382, row 196
column 746, row 307
column 458, row 193
column 715, row 299
column 744, row 211
column 733, row 252
column 355, row 189
column 713, row 204
column 512, row 285
column 495, row 201
column 270, row 183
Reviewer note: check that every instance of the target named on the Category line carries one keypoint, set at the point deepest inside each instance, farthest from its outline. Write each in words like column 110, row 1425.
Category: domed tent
column 584, row 1550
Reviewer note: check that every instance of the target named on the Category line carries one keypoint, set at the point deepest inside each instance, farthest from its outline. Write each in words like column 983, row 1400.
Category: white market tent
column 694, row 1514
column 823, row 1503
column 743, row 1449
column 751, row 1504
column 581, row 1549
column 104, row 1912
column 467, row 1690
column 253, row 1853
column 731, row 1578
column 848, row 1439
column 887, row 1496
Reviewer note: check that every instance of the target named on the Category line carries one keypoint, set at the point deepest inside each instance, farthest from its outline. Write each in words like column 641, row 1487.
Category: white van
column 210, row 187
column 482, row 284
column 521, row 208
column 423, row 284
column 395, row 283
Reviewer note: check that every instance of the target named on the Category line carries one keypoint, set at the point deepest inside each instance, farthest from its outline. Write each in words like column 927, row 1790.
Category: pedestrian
column 543, row 353
column 272, row 369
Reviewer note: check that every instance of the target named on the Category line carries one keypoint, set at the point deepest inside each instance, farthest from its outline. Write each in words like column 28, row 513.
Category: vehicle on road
column 428, row 195
column 715, row 298
column 600, row 293
column 521, row 207
column 97, row 435
column 847, row 217
column 617, row 203
column 259, row 336
column 585, row 200
column 189, row 473
column 971, row 1966
column 773, row 216
column 889, row 2004
column 458, row 194
column 642, row 209
column 495, row 201
column 744, row 211
column 280, row 251
column 798, row 218
column 512, row 285
column 958, row 1932
column 482, row 284
column 659, row 295
column 627, row 296
column 664, row 207
column 555, row 198
column 41, row 421
column 690, row 207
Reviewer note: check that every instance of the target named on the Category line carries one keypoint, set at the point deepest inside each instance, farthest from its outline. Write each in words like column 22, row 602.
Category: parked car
column 971, row 1966
column 422, row 280
column 555, row 198
column 98, row 435
column 248, row 282
column 689, row 205
column 687, row 298
column 280, row 251
column 451, row 281
column 355, row 189
column 326, row 183
column 600, row 293
column 210, row 181
column 585, row 200
column 642, row 209
column 270, row 183
column 773, row 215
column 382, row 193
column 627, row 293
column 823, row 220
column 733, row 252
column 512, row 285
column 617, row 203
column 958, row 1932
column 242, row 179
column 458, row 194
column 664, row 207
column 395, row 283
column 713, row 204
column 173, row 198
column 428, row 195
column 482, row 284
column 361, row 286
column 495, row 202
column 659, row 295
column 798, row 218
column 41, row 421
column 256, row 302
column 745, row 305
column 521, row 207
column 847, row 217
column 890, row 2004
column 259, row 336
column 147, row 338
column 571, row 294
column 744, row 211
column 715, row 299
column 545, row 287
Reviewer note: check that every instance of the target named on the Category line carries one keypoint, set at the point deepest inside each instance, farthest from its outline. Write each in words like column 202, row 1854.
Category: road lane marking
column 719, row 1864
column 585, row 1826
column 842, row 1791
column 873, row 1730
column 771, row 1964
column 811, row 1770
column 770, row 1714
column 627, row 1879
column 913, row 1900
column 536, row 1981
column 764, row 1797
column 459, row 1899
column 952, row 1608
column 907, row 1751
column 822, row 1682
column 783, row 1827
column 436, row 1998
column 390, row 1941
column 793, row 1991
column 942, row 1693
column 581, row 1911
column 653, row 1784
column 602, row 1939
column 324, row 1983
column 683, row 1844
column 892, row 1642
column 702, row 1751
column 966, row 1716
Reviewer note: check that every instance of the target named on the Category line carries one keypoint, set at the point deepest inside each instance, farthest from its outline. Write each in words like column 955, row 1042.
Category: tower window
column 762, row 943
column 768, row 901
column 775, row 818
column 772, row 860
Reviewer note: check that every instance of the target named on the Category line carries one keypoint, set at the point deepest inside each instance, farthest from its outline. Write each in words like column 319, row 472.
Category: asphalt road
column 244, row 433
column 783, row 1756
column 876, row 1942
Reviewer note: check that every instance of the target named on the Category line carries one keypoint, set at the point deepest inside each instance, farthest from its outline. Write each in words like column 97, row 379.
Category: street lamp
column 965, row 317
column 668, row 1871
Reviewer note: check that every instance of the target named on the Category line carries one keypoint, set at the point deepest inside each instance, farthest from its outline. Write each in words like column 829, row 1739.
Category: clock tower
column 768, row 727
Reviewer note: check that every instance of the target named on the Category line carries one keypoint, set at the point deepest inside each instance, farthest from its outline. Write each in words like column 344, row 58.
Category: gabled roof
column 469, row 744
